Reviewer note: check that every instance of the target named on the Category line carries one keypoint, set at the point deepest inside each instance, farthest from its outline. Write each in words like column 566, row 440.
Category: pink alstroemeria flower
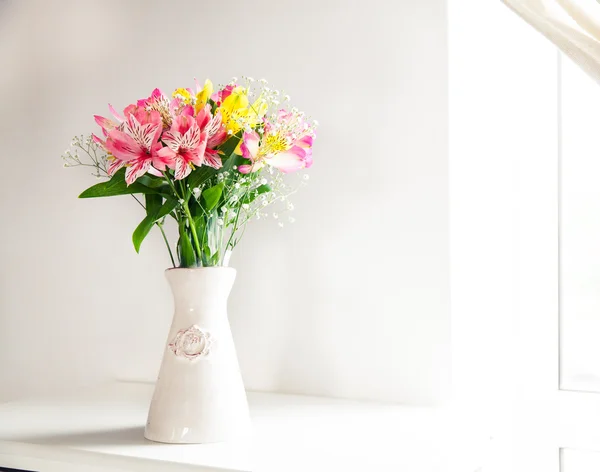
column 295, row 158
column 106, row 124
column 155, row 96
column 136, row 145
column 217, row 135
column 186, row 144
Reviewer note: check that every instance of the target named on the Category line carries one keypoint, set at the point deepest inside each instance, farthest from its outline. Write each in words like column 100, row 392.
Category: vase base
column 186, row 437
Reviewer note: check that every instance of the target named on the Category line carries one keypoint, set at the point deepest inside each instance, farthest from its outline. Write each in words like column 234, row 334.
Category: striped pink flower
column 185, row 145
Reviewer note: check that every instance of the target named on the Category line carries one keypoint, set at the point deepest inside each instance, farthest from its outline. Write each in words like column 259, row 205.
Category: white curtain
column 573, row 25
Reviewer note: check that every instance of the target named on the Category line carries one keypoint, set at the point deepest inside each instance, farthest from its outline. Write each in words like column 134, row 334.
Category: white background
column 351, row 301
column 580, row 232
column 503, row 154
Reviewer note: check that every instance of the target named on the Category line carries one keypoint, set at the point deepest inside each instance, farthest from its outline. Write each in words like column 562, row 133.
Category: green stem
column 137, row 200
column 186, row 208
column 170, row 182
column 160, row 226
column 235, row 224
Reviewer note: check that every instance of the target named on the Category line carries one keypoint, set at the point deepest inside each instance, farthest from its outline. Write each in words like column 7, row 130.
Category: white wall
column 351, row 301
column 503, row 154
column 579, row 231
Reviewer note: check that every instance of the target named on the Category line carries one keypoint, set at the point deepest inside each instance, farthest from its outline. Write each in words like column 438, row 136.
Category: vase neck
column 204, row 289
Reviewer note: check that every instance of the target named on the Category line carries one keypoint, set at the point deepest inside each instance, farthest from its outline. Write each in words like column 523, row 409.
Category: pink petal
column 114, row 112
column 164, row 157
column 105, row 124
column 156, row 94
column 218, row 138
column 145, row 135
column 155, row 172
column 249, row 146
column 191, row 157
column 212, row 159
column 123, row 146
column 203, row 117
column 246, row 169
column 193, row 138
column 148, row 117
column 97, row 140
column 114, row 166
column 187, row 110
column 136, row 170
column 201, row 150
column 182, row 169
column 217, row 133
column 289, row 161
column 172, row 139
column 174, row 106
column 305, row 141
column 130, row 109
column 182, row 123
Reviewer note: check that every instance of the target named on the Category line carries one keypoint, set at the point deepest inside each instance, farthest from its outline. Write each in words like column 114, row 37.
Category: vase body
column 199, row 395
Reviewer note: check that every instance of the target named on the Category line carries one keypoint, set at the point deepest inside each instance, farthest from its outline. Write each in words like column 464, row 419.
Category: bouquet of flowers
column 210, row 160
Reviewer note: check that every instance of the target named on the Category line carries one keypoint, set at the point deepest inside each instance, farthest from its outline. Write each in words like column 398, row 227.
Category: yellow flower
column 234, row 108
column 203, row 95
column 257, row 110
column 184, row 95
column 237, row 113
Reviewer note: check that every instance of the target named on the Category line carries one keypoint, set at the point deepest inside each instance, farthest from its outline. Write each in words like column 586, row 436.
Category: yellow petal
column 203, row 95
column 184, row 94
column 238, row 148
column 238, row 99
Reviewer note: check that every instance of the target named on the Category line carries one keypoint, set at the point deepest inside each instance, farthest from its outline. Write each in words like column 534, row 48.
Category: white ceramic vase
column 199, row 395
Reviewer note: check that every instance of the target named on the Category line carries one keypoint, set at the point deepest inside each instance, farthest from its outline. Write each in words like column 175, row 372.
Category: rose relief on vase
column 191, row 343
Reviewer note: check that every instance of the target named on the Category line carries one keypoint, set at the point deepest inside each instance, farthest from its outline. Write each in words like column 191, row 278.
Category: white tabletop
column 101, row 429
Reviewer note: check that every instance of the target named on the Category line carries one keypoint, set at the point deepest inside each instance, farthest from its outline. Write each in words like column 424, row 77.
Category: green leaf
column 229, row 146
column 186, row 251
column 168, row 206
column 152, row 181
column 142, row 231
column 116, row 186
column 195, row 208
column 250, row 197
column 157, row 212
column 153, row 203
column 199, row 223
column 211, row 196
column 200, row 175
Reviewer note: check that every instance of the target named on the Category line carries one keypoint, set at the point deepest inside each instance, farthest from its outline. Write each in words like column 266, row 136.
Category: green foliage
column 229, row 146
column 251, row 196
column 155, row 211
column 211, row 196
column 153, row 203
column 187, row 256
column 207, row 230
column 117, row 186
column 202, row 174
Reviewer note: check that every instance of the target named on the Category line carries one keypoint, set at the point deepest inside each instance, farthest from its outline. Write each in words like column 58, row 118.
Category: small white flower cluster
column 246, row 197
column 191, row 98
column 258, row 89
column 93, row 155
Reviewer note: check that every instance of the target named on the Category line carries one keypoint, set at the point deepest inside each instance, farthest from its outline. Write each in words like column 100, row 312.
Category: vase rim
column 199, row 268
